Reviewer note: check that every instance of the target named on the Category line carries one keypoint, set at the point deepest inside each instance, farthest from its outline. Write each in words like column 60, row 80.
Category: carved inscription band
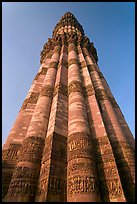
column 11, row 153
column 79, row 146
column 82, row 184
column 75, row 86
column 42, row 72
column 63, row 63
column 32, row 150
column 73, row 61
column 61, row 88
column 53, row 65
column 88, row 90
column 47, row 90
column 101, row 94
column 81, row 167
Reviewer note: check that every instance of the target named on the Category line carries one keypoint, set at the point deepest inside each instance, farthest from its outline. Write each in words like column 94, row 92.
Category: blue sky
column 26, row 26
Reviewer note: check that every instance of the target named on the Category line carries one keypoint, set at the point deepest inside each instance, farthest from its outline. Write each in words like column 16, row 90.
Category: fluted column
column 52, row 180
column 107, row 169
column 23, row 184
column 124, row 155
column 20, row 127
column 81, row 171
column 127, row 133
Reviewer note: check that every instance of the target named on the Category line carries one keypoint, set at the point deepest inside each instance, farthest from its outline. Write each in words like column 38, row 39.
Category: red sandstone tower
column 70, row 141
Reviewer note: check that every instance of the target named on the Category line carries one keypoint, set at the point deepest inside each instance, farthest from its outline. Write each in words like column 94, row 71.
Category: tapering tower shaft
column 70, row 141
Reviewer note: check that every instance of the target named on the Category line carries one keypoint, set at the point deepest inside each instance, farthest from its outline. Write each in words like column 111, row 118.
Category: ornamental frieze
column 31, row 150
column 82, row 184
column 75, row 86
column 46, row 90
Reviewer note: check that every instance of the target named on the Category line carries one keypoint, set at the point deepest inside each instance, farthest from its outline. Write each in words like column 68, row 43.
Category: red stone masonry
column 70, row 141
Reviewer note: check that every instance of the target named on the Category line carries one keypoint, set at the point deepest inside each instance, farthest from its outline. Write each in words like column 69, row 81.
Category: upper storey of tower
column 68, row 24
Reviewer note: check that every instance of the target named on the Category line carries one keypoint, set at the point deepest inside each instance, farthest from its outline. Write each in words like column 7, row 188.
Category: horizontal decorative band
column 31, row 150
column 53, row 65
column 82, row 184
column 61, row 88
column 32, row 99
column 49, row 55
column 22, row 187
column 101, row 94
column 42, row 72
column 26, row 172
column 47, row 90
column 57, row 48
column 88, row 90
column 63, row 63
column 45, row 53
column 73, row 61
column 83, row 64
column 92, row 67
column 10, row 154
column 79, row 140
column 75, row 86
column 81, row 167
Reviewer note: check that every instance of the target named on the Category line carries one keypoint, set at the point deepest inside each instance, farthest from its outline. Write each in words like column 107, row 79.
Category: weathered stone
column 70, row 142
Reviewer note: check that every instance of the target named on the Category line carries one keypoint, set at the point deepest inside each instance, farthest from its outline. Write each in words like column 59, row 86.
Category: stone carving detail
column 47, row 149
column 85, row 42
column 31, row 150
column 32, row 99
column 42, row 187
column 25, row 172
column 63, row 63
column 42, row 72
column 46, row 48
column 53, row 65
column 79, row 146
column 73, row 61
column 21, row 187
column 61, row 88
column 127, row 151
column 82, row 184
column 66, row 20
column 101, row 94
column 92, row 67
column 57, row 40
column 47, row 90
column 75, row 86
column 78, row 168
column 10, row 155
column 72, row 38
column 59, row 147
column 55, row 185
column 88, row 90
column 83, row 64
column 111, row 171
column 57, row 169
column 114, row 188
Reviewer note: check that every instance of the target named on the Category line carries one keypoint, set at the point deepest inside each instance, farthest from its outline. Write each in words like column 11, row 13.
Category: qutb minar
column 70, row 141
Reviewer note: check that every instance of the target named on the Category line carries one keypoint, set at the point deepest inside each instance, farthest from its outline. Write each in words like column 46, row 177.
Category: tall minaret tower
column 70, row 141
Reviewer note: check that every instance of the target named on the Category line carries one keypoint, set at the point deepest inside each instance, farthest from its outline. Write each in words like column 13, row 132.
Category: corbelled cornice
column 68, row 30
column 68, row 23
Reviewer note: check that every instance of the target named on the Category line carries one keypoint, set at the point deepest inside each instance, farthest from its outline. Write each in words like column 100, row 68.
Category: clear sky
column 26, row 26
